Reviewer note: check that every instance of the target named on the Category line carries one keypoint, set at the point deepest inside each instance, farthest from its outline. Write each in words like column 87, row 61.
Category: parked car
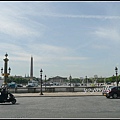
column 29, row 86
column 47, row 84
column 108, row 83
column 19, row 85
column 113, row 92
column 32, row 83
column 12, row 85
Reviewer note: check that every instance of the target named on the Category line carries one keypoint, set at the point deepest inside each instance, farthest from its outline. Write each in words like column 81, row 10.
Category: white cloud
column 45, row 49
column 16, row 20
column 14, row 51
column 13, row 27
column 108, row 33
column 82, row 16
column 41, row 52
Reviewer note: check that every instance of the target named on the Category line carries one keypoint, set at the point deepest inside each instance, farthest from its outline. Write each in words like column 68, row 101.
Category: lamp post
column 5, row 74
column 70, row 80
column 116, row 69
column 45, row 83
column 41, row 82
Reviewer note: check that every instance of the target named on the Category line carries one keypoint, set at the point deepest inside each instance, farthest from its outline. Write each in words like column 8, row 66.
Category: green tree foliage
column 17, row 80
column 112, row 78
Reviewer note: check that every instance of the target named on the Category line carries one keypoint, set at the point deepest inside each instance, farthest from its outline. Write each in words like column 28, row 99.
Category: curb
column 60, row 96
column 55, row 95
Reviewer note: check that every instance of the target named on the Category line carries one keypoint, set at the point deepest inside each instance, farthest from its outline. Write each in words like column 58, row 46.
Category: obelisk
column 31, row 69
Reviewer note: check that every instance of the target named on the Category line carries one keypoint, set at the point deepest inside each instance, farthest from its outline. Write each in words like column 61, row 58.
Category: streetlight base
column 41, row 93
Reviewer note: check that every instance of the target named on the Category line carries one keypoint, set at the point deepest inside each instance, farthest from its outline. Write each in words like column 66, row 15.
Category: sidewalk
column 58, row 94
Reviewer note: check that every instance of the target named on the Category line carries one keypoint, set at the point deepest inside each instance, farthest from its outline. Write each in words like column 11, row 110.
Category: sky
column 77, row 38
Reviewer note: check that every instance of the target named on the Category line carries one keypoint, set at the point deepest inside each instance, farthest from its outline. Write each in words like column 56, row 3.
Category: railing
column 56, row 89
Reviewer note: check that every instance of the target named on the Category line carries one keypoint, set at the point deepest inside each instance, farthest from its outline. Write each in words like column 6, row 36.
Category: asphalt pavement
column 57, row 94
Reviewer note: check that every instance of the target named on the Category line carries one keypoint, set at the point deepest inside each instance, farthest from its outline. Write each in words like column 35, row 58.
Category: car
column 29, row 86
column 19, row 85
column 12, row 85
column 32, row 83
column 77, row 84
column 113, row 92
column 108, row 83
column 46, row 84
column 105, row 88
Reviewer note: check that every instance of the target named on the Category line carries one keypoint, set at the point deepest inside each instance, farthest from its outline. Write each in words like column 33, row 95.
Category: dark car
column 19, row 85
column 108, row 83
column 113, row 92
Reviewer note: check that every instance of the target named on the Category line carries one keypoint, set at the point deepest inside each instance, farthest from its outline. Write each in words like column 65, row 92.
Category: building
column 57, row 79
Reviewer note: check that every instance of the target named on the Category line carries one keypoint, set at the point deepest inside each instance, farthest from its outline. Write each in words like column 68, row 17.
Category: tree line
column 24, row 80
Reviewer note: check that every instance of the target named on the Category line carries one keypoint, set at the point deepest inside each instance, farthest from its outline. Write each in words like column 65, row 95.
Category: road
column 62, row 107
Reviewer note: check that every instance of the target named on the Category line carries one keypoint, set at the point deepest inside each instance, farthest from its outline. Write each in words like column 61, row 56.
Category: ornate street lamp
column 70, row 78
column 116, row 70
column 41, row 82
column 5, row 74
column 45, row 83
